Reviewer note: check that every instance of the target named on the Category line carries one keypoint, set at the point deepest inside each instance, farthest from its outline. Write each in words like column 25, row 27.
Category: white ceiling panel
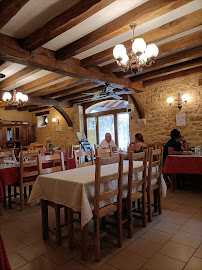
column 31, row 78
column 107, row 14
column 33, row 15
column 166, row 18
column 12, row 69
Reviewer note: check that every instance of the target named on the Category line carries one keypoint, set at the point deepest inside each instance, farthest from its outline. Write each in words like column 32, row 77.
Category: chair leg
column 15, row 191
column 44, row 212
column 130, row 220
column 4, row 199
column 172, row 183
column 97, row 238
column 66, row 215
column 21, row 198
column 1, row 209
column 25, row 192
column 155, row 200
column 120, row 232
column 85, row 242
column 149, row 205
column 160, row 200
column 9, row 197
column 70, row 227
column 58, row 225
column 144, row 212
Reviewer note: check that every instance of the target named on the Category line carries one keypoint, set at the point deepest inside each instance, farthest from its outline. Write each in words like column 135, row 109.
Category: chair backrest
column 158, row 145
column 104, row 153
column 36, row 146
column 56, row 162
column 7, row 153
column 156, row 162
column 24, row 147
column 28, row 168
column 75, row 148
column 103, row 180
column 78, row 155
column 134, row 170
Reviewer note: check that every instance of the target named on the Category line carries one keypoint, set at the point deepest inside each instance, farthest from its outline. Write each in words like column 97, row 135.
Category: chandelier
column 141, row 54
column 18, row 98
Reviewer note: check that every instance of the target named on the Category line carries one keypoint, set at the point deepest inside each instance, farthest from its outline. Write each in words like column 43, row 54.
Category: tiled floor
column 172, row 241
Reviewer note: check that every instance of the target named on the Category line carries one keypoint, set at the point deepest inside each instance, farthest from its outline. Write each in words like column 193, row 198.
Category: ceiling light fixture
column 180, row 100
column 141, row 54
column 18, row 98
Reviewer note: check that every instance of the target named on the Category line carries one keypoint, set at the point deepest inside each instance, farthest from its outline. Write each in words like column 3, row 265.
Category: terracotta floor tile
column 16, row 261
column 127, row 260
column 187, row 239
column 73, row 265
column 40, row 263
column 59, row 255
column 157, row 237
column 106, row 267
column 177, row 251
column 191, row 227
column 143, row 247
column 33, row 251
column 198, row 253
column 194, row 264
column 161, row 262
column 177, row 218
column 167, row 227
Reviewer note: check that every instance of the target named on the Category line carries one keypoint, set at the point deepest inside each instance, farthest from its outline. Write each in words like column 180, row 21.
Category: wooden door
column 24, row 133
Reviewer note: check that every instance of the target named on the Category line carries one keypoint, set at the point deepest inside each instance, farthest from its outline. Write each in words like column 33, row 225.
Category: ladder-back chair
column 78, row 155
column 56, row 162
column 99, row 196
column 104, row 153
column 154, row 188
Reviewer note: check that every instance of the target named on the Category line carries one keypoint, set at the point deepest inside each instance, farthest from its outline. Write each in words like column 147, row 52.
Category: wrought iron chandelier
column 16, row 99
column 141, row 54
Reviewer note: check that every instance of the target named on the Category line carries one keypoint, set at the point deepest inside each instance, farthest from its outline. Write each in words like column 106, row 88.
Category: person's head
column 108, row 137
column 175, row 134
column 48, row 140
column 139, row 137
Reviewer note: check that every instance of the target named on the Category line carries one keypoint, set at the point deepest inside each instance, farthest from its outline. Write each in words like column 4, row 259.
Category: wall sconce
column 54, row 120
column 180, row 101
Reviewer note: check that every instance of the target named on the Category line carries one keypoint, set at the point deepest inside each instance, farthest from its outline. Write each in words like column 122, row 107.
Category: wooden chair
column 28, row 173
column 104, row 153
column 57, row 161
column 78, row 155
column 75, row 148
column 7, row 153
column 154, row 190
column 24, row 148
column 36, row 146
column 136, row 189
column 98, row 212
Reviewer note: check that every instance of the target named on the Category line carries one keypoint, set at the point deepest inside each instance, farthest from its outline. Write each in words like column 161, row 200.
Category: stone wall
column 67, row 136
column 161, row 118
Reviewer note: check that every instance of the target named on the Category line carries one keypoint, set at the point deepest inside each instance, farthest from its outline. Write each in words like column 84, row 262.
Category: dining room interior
column 100, row 134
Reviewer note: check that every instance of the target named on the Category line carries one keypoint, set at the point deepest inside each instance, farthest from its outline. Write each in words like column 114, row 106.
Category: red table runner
column 183, row 165
column 4, row 263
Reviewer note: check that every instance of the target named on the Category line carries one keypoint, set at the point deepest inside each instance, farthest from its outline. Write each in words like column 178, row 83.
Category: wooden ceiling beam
column 38, row 108
column 63, row 22
column 45, row 59
column 18, row 76
column 73, row 90
column 5, row 65
column 39, row 82
column 140, row 15
column 8, row 9
column 27, row 108
column 173, row 59
column 167, row 30
column 174, row 75
column 56, row 87
column 45, row 102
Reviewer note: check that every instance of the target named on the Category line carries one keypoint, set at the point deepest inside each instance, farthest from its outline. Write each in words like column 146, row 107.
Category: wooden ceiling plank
column 39, row 108
column 26, row 108
column 174, row 59
column 9, row 9
column 174, row 75
column 167, row 30
column 18, row 76
column 63, row 22
column 140, row 15
column 56, row 87
column 39, row 82
column 45, row 59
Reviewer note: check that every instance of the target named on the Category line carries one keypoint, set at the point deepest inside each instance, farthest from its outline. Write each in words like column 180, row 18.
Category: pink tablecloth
column 183, row 165
column 4, row 263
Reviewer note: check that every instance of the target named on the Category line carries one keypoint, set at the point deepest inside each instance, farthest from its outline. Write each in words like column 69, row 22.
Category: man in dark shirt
column 174, row 146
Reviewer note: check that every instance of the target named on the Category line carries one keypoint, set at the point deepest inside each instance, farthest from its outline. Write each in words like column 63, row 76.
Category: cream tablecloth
column 75, row 188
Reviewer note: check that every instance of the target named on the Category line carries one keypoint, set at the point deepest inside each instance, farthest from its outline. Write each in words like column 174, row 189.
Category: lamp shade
column 142, row 59
column 24, row 98
column 169, row 100
column 19, row 96
column 152, row 50
column 6, row 97
column 125, row 60
column 139, row 45
column 185, row 97
column 119, row 52
column 54, row 120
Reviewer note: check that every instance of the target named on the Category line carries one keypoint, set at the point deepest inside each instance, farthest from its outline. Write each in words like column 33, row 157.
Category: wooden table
column 75, row 189
column 182, row 164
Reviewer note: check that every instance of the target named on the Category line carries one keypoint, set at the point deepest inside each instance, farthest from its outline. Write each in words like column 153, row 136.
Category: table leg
column 1, row 209
column 85, row 242
column 9, row 197
column 44, row 212
column 172, row 182
column 4, row 199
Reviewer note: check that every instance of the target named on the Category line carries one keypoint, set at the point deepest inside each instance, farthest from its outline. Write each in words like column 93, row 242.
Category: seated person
column 177, row 145
column 49, row 146
column 107, row 143
column 138, row 145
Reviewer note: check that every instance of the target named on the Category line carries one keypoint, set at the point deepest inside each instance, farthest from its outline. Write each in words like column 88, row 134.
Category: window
column 91, row 130
column 123, row 130
column 106, row 124
column 42, row 121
